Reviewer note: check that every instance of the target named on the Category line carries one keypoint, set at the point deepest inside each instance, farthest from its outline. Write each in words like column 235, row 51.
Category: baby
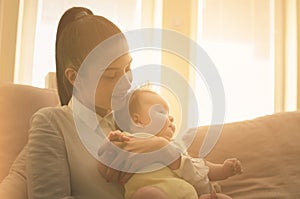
column 149, row 116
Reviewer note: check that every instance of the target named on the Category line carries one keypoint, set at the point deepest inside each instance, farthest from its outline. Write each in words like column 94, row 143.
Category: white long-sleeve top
column 58, row 164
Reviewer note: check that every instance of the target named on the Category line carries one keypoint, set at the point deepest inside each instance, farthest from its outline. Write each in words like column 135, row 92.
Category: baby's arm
column 229, row 168
column 199, row 172
column 195, row 172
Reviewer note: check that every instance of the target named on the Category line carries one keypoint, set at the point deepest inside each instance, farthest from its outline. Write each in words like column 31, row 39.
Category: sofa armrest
column 17, row 105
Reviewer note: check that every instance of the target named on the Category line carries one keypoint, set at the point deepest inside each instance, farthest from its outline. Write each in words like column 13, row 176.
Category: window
column 238, row 36
column 127, row 15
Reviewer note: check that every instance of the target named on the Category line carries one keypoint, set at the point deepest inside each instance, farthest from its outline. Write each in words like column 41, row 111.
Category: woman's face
column 108, row 81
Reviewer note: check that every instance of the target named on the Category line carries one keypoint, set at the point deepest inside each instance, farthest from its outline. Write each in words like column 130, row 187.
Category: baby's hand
column 117, row 136
column 232, row 167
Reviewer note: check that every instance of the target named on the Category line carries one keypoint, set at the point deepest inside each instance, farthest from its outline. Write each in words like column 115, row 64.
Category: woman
column 59, row 165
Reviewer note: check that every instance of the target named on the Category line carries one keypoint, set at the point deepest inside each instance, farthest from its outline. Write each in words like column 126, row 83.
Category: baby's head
column 149, row 113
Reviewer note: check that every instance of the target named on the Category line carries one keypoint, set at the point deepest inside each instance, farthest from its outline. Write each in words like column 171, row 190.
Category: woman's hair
column 79, row 31
column 135, row 102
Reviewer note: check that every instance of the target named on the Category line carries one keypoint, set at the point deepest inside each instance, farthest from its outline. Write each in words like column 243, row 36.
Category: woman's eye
column 163, row 112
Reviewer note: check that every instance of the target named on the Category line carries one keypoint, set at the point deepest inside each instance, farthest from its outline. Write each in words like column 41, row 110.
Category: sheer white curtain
column 124, row 15
column 128, row 15
column 238, row 36
column 250, row 42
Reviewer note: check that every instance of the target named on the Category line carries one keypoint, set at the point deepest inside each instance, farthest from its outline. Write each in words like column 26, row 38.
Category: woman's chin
column 102, row 111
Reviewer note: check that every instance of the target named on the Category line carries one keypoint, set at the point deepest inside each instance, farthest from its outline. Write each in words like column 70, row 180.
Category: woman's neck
column 101, row 111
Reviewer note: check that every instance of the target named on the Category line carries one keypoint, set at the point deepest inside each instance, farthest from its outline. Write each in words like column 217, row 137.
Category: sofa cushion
column 17, row 105
column 14, row 185
column 269, row 150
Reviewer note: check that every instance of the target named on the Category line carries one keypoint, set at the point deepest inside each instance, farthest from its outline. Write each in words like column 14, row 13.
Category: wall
column 179, row 17
column 9, row 15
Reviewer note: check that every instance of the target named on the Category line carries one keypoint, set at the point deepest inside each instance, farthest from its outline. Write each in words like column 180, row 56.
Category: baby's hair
column 133, row 105
column 124, row 116
column 134, row 102
column 147, row 86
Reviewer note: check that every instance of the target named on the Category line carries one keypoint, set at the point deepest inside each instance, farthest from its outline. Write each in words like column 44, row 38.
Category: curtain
column 287, row 55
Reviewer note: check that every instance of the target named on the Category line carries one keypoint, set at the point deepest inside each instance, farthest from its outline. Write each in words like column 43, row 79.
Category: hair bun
column 70, row 16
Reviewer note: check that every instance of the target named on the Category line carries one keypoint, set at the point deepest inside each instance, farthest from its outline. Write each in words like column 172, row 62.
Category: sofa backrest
column 17, row 105
column 269, row 149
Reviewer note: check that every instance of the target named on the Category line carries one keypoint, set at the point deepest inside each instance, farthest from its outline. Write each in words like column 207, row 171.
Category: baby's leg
column 217, row 196
column 149, row 192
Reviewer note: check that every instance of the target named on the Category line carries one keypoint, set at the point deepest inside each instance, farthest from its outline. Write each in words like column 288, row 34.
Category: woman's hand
column 132, row 154
column 110, row 174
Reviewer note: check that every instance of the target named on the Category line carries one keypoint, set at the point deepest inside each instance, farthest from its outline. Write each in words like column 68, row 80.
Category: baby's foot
column 232, row 167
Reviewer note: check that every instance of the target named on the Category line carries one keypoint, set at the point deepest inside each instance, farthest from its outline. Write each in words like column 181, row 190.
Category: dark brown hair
column 79, row 31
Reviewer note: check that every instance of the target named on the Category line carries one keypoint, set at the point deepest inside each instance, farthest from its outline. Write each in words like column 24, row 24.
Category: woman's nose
column 128, row 75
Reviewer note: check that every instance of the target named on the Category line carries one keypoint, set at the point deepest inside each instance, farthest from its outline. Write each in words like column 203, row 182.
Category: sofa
column 17, row 105
column 268, row 147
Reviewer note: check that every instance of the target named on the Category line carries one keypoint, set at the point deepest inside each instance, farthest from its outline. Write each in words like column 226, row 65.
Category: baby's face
column 155, row 109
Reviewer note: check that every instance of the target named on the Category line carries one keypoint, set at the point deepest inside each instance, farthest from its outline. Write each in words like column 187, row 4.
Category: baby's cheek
column 163, row 120
column 160, row 119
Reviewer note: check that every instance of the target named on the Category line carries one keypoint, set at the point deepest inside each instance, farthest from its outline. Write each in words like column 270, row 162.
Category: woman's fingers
column 124, row 177
column 111, row 174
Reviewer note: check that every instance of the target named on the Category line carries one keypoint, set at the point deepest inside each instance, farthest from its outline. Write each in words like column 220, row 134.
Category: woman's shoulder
column 52, row 113
column 52, row 110
column 53, row 120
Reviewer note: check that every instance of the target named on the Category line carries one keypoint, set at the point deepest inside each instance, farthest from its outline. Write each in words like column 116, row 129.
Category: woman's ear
column 71, row 75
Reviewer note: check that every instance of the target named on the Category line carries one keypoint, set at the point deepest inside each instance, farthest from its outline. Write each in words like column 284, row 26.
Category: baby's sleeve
column 195, row 172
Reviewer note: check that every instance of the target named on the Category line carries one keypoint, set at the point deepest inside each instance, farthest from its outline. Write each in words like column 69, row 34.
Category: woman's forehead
column 120, row 62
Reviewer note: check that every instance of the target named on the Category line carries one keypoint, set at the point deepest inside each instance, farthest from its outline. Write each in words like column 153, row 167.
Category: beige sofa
column 17, row 105
column 269, row 147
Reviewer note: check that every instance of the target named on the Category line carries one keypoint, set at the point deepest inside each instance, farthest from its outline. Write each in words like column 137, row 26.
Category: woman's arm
column 169, row 155
column 47, row 165
column 176, row 164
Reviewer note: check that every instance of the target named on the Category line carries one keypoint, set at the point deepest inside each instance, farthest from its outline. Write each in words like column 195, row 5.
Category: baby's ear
column 136, row 118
